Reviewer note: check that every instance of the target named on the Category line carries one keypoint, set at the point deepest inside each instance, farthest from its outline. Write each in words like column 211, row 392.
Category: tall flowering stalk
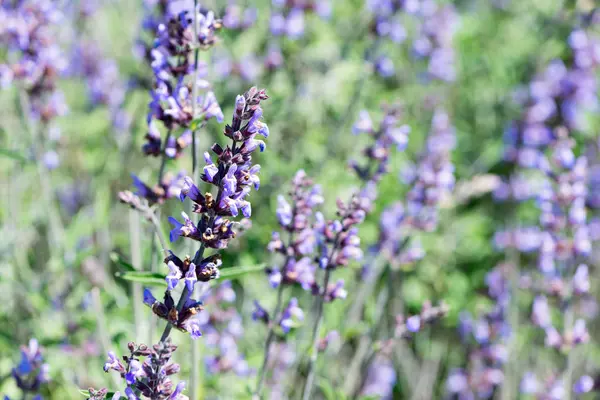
column 431, row 178
column 435, row 28
column 337, row 240
column 180, row 107
column 232, row 175
column 297, row 246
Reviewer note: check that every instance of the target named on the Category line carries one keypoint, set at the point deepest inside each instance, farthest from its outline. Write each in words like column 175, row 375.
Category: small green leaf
column 147, row 278
column 84, row 392
column 197, row 123
column 117, row 259
column 14, row 155
column 236, row 272
column 327, row 390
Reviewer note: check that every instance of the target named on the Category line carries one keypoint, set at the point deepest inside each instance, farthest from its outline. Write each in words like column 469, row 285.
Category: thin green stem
column 136, row 261
column 352, row 375
column 163, row 161
column 270, row 336
column 510, row 373
column 101, row 327
column 57, row 229
column 314, row 352
column 158, row 230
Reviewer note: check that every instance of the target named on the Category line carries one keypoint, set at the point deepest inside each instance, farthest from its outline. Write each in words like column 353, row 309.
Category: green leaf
column 327, row 390
column 14, row 155
column 237, row 272
column 146, row 278
column 158, row 279
column 117, row 259
column 197, row 123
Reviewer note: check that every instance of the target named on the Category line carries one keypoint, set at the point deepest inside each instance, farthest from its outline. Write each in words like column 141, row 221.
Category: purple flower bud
column 210, row 170
column 413, row 324
column 581, row 280
column 149, row 299
column 177, row 392
column 585, row 384
column 259, row 313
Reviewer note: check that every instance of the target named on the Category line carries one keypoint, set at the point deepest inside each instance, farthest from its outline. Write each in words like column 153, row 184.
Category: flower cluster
column 414, row 323
column 27, row 29
column 186, row 320
column 222, row 329
column 557, row 103
column 172, row 95
column 560, row 97
column 31, row 372
column 248, row 67
column 291, row 316
column 155, row 13
column 233, row 175
column 553, row 387
column 390, row 133
column 435, row 29
column 380, row 379
column 169, row 187
column 338, row 244
column 296, row 220
column 150, row 377
column 236, row 18
column 288, row 16
column 431, row 179
column 27, row 32
column 487, row 338
column 103, row 80
column 433, row 176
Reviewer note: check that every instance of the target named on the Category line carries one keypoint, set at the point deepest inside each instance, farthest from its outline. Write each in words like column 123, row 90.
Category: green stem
column 270, row 336
column 136, row 261
column 314, row 352
column 512, row 363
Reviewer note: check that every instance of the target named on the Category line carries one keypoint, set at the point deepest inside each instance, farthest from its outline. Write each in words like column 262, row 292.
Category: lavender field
column 299, row 199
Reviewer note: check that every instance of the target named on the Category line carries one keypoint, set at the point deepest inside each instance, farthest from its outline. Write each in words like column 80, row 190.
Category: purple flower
column 113, row 363
column 259, row 313
column 190, row 277
column 149, row 299
column 291, row 316
column 31, row 372
column 585, row 384
column 413, row 324
column 173, row 276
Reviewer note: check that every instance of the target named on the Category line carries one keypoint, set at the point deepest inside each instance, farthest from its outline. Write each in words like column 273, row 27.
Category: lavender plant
column 337, row 240
column 31, row 373
column 435, row 27
column 541, row 142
